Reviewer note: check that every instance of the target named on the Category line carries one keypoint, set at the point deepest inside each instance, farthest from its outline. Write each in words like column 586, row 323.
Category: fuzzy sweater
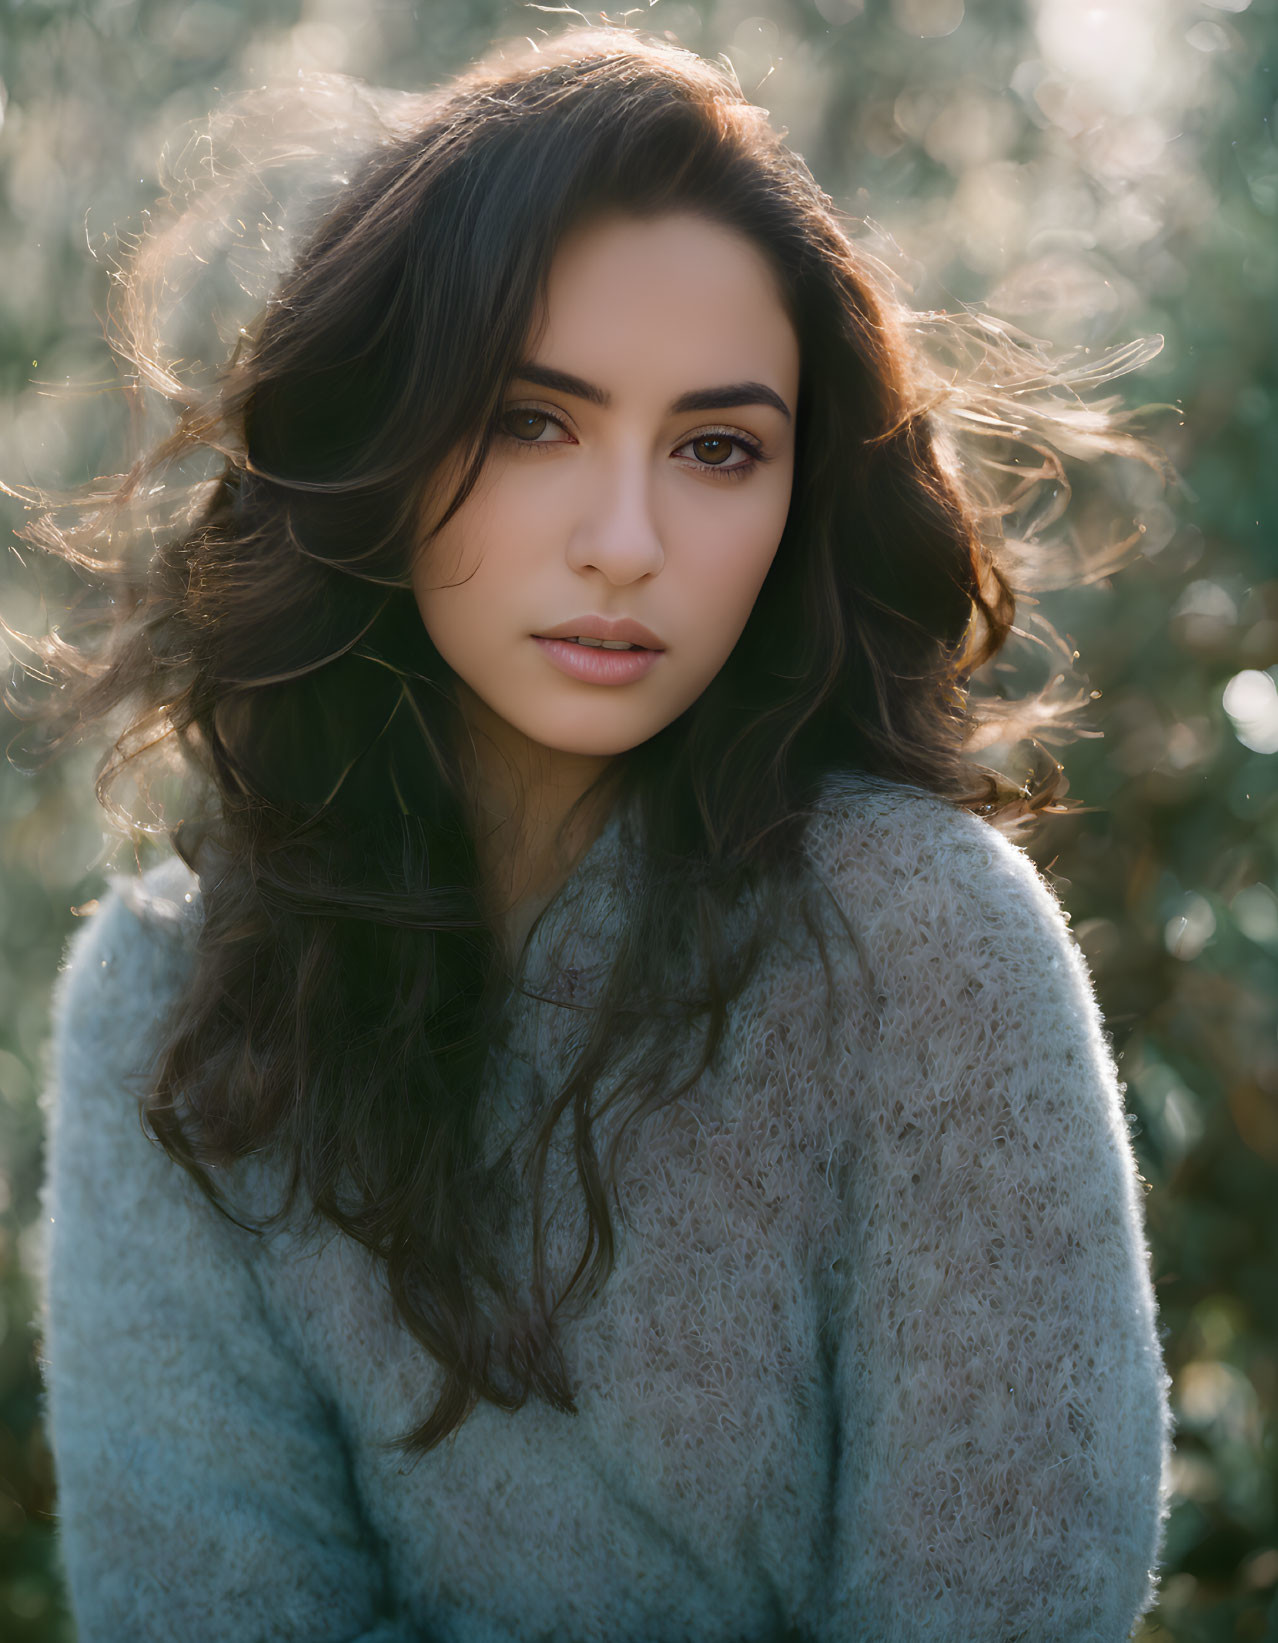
column 878, row 1361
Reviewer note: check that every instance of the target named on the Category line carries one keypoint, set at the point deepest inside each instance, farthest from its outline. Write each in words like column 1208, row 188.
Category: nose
column 617, row 533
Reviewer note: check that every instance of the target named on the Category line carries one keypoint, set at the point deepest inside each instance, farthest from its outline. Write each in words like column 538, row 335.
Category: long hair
column 347, row 985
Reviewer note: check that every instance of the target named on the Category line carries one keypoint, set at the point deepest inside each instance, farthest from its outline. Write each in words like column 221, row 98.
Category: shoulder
column 880, row 838
column 938, row 901
column 890, row 852
column 968, row 1019
column 125, row 964
column 125, row 967
column 158, row 910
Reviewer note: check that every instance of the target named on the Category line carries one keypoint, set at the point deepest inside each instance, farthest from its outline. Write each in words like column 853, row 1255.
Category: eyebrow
column 700, row 399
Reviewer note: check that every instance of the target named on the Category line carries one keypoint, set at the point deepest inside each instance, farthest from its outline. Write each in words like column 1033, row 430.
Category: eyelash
column 739, row 470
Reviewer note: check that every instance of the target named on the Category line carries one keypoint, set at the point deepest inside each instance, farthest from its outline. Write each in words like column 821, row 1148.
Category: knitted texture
column 878, row 1361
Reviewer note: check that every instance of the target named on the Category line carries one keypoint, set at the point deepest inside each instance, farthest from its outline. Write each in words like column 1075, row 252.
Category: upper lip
column 600, row 627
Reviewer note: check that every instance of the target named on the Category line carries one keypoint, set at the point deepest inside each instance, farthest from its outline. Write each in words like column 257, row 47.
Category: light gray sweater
column 878, row 1362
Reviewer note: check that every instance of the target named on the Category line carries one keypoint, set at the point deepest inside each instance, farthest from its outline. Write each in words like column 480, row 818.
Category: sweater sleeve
column 203, row 1490
column 999, row 1392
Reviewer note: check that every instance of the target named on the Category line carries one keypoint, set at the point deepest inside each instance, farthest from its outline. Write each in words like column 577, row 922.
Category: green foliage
column 1086, row 173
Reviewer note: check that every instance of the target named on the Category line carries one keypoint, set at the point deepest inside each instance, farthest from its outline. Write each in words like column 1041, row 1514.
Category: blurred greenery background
column 1088, row 171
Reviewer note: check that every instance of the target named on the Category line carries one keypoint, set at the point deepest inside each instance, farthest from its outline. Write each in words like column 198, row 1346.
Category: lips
column 623, row 628
column 593, row 665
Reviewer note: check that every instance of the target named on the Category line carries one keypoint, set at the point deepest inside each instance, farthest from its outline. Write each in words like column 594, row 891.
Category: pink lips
column 589, row 662
column 595, row 666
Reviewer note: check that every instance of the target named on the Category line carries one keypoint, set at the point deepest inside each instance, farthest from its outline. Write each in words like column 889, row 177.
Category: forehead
column 678, row 294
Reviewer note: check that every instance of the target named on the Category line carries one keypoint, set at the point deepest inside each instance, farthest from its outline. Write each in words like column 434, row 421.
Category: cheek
column 725, row 575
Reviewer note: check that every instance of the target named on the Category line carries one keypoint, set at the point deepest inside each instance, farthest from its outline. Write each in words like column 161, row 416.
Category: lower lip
column 595, row 665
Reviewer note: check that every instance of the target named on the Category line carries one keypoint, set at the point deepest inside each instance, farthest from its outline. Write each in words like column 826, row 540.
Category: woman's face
column 641, row 474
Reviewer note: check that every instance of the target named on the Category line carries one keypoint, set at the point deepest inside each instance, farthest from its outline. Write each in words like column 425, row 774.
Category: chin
column 591, row 742
column 595, row 747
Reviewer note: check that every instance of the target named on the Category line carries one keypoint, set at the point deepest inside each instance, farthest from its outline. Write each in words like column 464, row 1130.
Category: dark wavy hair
column 347, row 984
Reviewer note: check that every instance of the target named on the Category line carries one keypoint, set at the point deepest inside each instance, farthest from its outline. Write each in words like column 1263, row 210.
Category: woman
column 651, row 1164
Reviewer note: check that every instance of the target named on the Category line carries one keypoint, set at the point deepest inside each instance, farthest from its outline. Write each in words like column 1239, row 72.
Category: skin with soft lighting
column 603, row 498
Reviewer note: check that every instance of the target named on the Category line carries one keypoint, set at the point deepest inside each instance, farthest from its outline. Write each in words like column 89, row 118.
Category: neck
column 519, row 795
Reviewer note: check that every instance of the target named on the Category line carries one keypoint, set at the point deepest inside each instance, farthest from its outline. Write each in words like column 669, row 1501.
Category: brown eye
column 714, row 449
column 525, row 423
column 710, row 453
